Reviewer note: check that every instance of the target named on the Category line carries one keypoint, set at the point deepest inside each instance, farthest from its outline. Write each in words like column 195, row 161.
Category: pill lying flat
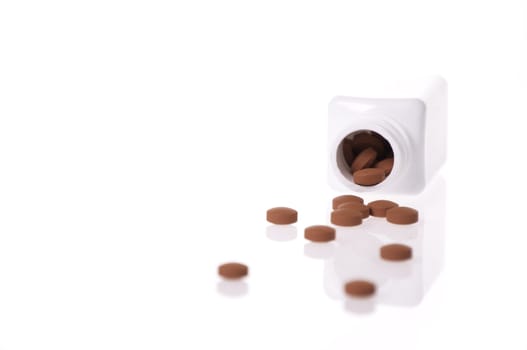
column 282, row 215
column 369, row 176
column 386, row 165
column 396, row 252
column 233, row 270
column 319, row 233
column 346, row 217
column 379, row 208
column 363, row 209
column 402, row 215
column 359, row 288
column 364, row 159
column 346, row 198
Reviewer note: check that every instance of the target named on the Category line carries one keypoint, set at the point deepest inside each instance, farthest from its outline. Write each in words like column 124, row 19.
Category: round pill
column 369, row 176
column 346, row 198
column 282, row 215
column 396, row 252
column 319, row 233
column 359, row 288
column 402, row 215
column 386, row 165
column 365, row 140
column 364, row 159
column 379, row 208
column 363, row 209
column 346, row 217
column 233, row 270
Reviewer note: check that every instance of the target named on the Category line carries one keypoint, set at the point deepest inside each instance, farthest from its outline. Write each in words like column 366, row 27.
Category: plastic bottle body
column 405, row 123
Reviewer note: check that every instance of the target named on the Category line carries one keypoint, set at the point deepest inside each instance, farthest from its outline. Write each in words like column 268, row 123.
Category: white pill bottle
column 410, row 115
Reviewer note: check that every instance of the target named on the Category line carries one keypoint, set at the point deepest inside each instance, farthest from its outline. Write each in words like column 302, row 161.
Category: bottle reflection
column 356, row 255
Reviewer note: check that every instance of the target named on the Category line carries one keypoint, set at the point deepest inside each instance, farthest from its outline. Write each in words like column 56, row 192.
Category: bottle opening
column 365, row 157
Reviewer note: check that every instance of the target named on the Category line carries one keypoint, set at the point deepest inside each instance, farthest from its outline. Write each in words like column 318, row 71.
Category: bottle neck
column 394, row 134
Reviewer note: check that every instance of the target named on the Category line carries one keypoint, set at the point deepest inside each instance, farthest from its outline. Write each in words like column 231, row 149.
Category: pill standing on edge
column 369, row 176
column 282, row 215
column 346, row 217
column 396, row 252
column 319, row 233
column 379, row 208
column 359, row 288
column 402, row 215
column 363, row 209
column 233, row 270
column 346, row 198
column 364, row 159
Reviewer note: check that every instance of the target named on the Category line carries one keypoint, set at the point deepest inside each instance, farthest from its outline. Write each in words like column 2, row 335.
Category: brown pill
column 346, row 198
column 365, row 140
column 363, row 160
column 346, row 217
column 347, row 151
column 368, row 176
column 386, row 165
column 359, row 288
column 396, row 252
column 402, row 215
column 379, row 208
column 233, row 270
column 363, row 209
column 282, row 215
column 319, row 233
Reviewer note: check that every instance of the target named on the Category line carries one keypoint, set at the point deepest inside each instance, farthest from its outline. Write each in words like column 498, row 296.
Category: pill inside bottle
column 365, row 149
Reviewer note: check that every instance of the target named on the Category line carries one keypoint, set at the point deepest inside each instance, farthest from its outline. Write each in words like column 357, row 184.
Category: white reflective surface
column 141, row 143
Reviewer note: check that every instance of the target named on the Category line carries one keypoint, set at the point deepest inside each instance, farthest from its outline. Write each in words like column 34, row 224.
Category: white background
column 142, row 141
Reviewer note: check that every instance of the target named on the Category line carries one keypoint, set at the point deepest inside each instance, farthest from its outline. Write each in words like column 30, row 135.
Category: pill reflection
column 359, row 305
column 319, row 250
column 232, row 288
column 281, row 233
